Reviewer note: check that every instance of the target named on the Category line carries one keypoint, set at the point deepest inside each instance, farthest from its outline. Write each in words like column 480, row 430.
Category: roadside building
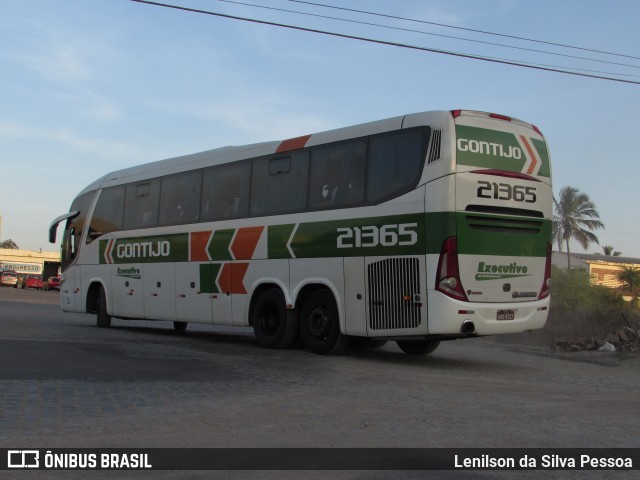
column 602, row 269
column 28, row 262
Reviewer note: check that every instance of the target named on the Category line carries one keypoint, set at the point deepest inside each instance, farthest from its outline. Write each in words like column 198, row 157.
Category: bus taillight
column 500, row 117
column 546, row 282
column 448, row 278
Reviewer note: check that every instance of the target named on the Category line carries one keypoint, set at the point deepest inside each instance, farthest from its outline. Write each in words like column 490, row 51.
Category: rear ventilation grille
column 434, row 151
column 394, row 294
column 504, row 225
column 492, row 210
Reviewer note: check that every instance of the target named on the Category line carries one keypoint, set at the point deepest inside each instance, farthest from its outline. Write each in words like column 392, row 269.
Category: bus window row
column 363, row 171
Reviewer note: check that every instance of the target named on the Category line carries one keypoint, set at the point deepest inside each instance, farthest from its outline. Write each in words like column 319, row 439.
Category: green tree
column 574, row 217
column 630, row 279
column 609, row 251
column 9, row 244
column 572, row 289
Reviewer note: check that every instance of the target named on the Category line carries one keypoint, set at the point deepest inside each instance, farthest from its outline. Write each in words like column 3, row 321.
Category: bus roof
column 436, row 119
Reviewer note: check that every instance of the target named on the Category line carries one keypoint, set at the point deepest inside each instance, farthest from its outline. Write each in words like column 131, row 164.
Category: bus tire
column 274, row 325
column 102, row 316
column 320, row 324
column 179, row 326
column 419, row 347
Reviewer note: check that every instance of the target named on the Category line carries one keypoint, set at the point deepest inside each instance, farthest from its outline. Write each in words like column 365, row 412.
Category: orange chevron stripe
column 534, row 160
column 107, row 251
column 198, row 250
column 293, row 144
column 231, row 278
column 245, row 242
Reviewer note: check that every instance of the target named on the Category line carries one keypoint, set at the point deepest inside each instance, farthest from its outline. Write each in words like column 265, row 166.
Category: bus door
column 71, row 279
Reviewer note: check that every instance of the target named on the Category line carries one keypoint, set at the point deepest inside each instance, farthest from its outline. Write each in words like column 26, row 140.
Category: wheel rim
column 319, row 323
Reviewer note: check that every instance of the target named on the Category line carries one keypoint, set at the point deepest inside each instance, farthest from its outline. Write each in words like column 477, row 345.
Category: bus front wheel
column 418, row 347
column 274, row 325
column 103, row 317
column 320, row 324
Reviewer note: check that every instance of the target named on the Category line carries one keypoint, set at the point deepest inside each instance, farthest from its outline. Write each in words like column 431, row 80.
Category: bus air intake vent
column 504, row 225
column 434, row 150
column 521, row 212
column 394, row 294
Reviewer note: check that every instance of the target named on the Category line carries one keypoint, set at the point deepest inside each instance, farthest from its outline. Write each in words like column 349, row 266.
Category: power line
column 576, row 69
column 384, row 42
column 465, row 29
column 359, row 22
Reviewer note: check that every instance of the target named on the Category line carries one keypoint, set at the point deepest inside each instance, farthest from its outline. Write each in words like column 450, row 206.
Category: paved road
column 66, row 383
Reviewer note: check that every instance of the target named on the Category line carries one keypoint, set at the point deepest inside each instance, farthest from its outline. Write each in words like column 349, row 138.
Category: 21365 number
column 369, row 236
column 504, row 191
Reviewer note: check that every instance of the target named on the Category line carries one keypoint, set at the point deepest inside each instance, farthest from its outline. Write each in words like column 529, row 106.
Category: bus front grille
column 394, row 294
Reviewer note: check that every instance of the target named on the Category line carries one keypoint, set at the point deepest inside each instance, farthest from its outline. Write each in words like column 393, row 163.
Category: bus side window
column 338, row 175
column 107, row 216
column 225, row 191
column 141, row 204
column 180, row 198
column 395, row 164
column 279, row 184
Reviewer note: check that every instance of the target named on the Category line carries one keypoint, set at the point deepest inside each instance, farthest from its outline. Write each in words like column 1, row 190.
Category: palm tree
column 574, row 218
column 609, row 251
column 630, row 279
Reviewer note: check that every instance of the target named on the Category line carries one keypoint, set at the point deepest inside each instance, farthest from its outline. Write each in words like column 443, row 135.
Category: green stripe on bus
column 277, row 238
column 440, row 226
column 411, row 234
column 373, row 236
column 208, row 274
column 151, row 249
column 219, row 245
column 486, row 148
column 480, row 234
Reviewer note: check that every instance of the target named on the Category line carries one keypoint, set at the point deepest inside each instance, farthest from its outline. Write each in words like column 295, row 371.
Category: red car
column 53, row 283
column 33, row 281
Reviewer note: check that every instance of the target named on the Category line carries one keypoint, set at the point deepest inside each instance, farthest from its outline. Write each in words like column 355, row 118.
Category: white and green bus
column 421, row 228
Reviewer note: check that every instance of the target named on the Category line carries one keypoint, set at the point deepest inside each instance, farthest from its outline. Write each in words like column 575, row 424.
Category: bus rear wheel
column 418, row 347
column 320, row 324
column 102, row 316
column 273, row 324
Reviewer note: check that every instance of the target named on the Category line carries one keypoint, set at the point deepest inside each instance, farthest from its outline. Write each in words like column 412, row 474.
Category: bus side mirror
column 53, row 228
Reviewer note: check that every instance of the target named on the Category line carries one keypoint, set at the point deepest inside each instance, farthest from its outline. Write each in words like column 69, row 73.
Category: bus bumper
column 447, row 316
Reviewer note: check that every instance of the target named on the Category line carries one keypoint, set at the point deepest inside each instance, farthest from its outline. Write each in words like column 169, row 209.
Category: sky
column 92, row 86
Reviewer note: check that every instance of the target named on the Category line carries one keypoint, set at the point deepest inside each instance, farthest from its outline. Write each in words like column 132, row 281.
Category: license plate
column 506, row 315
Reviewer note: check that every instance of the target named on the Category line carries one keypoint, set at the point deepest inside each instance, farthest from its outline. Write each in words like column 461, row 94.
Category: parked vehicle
column 33, row 281
column 8, row 278
column 52, row 283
